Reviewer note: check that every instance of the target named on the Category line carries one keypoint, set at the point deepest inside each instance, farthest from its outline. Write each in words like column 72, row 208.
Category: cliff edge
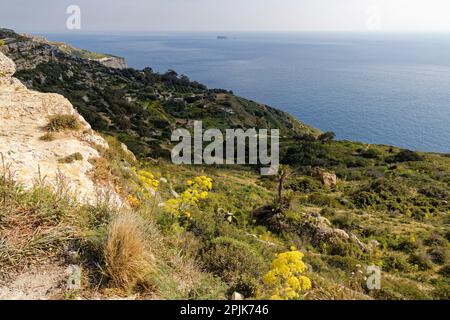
column 30, row 153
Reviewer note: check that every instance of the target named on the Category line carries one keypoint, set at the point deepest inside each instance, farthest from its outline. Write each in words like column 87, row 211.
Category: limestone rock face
column 23, row 117
column 113, row 62
column 7, row 68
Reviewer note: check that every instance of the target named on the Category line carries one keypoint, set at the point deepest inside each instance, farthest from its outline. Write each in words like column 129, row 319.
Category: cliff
column 30, row 152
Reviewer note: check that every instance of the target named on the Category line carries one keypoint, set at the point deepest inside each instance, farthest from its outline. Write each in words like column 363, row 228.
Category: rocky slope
column 24, row 115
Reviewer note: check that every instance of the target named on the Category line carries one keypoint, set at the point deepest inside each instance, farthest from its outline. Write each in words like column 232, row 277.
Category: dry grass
column 101, row 173
column 126, row 254
column 323, row 289
column 48, row 137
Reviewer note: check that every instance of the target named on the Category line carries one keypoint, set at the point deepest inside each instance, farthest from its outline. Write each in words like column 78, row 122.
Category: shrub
column 422, row 261
column 406, row 156
column 327, row 137
column 442, row 291
column 366, row 199
column 125, row 252
column 63, row 122
column 445, row 271
column 439, row 255
column 72, row 158
column 305, row 184
column 347, row 264
column 236, row 262
column 323, row 200
column 396, row 262
column 436, row 192
column 406, row 244
column 343, row 221
column 47, row 137
column 197, row 190
column 399, row 289
column 370, row 154
column 342, row 248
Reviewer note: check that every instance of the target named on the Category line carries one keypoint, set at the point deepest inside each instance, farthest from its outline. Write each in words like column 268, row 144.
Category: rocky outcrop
column 28, row 51
column 329, row 179
column 113, row 62
column 24, row 115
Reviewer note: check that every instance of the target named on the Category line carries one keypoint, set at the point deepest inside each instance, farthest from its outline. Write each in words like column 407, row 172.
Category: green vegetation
column 63, row 122
column 229, row 227
column 72, row 158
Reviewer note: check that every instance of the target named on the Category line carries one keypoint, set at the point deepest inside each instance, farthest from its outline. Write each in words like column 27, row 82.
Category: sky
column 50, row 16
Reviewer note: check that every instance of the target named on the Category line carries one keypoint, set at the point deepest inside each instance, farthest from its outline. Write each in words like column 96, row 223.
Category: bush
column 343, row 221
column 370, row 154
column 63, row 122
column 436, row 192
column 445, row 271
column 439, row 255
column 236, row 262
column 48, row 137
column 347, row 264
column 343, row 248
column 396, row 262
column 406, row 244
column 305, row 184
column 366, row 199
column 72, row 158
column 406, row 156
column 422, row 261
column 400, row 289
column 323, row 200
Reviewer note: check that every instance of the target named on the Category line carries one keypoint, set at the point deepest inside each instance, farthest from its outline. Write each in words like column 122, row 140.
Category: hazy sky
column 228, row 15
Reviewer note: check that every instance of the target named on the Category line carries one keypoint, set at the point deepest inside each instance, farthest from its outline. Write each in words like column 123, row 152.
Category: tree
column 284, row 173
column 327, row 137
column 408, row 155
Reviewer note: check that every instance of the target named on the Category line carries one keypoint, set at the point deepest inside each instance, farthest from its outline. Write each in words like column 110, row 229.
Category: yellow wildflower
column 285, row 279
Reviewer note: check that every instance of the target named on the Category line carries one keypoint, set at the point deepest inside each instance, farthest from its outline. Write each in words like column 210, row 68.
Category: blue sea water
column 376, row 88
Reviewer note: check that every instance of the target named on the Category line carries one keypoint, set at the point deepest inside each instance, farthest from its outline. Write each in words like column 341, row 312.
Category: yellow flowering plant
column 197, row 190
column 133, row 201
column 285, row 280
column 147, row 188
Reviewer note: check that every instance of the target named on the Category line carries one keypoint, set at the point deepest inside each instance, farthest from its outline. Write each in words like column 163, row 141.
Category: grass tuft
column 63, row 122
column 126, row 254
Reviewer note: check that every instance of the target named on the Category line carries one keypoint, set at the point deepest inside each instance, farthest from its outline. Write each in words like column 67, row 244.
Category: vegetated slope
column 138, row 106
column 346, row 205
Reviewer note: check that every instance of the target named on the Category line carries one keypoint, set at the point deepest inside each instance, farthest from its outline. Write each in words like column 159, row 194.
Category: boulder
column 237, row 296
column 329, row 179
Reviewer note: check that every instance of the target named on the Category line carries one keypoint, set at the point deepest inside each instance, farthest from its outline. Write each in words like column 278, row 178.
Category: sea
column 377, row 88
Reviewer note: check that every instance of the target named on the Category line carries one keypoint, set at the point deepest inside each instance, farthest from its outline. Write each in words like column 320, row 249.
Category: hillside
column 205, row 232
column 137, row 106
